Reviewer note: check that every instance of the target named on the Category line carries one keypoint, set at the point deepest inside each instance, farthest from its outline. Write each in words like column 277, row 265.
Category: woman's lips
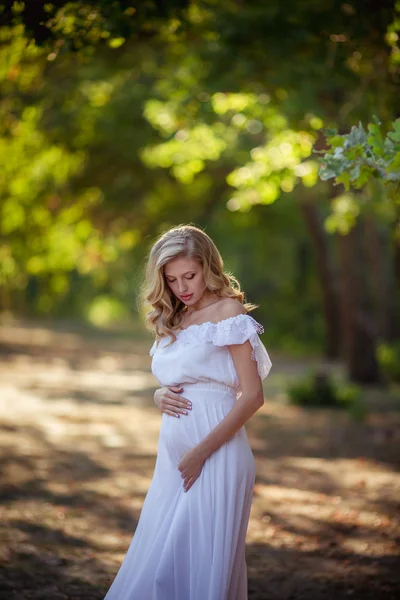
column 186, row 297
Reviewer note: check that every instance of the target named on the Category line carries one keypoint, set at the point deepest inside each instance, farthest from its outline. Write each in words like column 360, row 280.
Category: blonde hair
column 163, row 310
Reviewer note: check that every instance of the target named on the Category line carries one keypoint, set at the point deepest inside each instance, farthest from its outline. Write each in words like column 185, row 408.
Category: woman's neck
column 203, row 303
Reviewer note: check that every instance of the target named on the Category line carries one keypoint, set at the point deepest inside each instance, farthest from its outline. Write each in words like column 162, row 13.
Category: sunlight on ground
column 79, row 441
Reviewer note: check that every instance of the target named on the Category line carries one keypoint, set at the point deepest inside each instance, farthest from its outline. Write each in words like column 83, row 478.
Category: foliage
column 356, row 157
column 388, row 355
column 319, row 390
column 367, row 163
column 83, row 23
column 173, row 113
column 254, row 112
column 235, row 125
column 392, row 36
column 106, row 310
column 49, row 225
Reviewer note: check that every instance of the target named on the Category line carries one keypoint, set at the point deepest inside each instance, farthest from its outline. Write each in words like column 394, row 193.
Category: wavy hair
column 163, row 310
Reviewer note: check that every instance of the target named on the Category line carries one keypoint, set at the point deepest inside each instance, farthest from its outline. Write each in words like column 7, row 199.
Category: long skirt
column 191, row 545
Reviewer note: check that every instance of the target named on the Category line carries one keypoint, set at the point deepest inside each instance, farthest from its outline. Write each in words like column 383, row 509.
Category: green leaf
column 356, row 136
column 336, row 141
column 395, row 134
column 375, row 140
column 345, row 179
column 355, row 172
column 326, row 173
column 329, row 132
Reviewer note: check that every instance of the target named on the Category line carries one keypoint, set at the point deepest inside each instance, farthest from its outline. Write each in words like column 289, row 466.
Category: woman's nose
column 182, row 286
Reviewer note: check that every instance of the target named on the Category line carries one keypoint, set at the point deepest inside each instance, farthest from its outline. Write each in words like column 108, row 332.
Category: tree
column 84, row 23
column 234, row 97
column 362, row 160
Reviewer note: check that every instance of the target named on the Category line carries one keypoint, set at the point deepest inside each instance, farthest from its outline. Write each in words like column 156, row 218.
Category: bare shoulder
column 230, row 307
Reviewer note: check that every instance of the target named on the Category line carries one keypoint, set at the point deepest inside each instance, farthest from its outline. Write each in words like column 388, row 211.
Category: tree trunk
column 358, row 327
column 382, row 281
column 326, row 277
column 396, row 324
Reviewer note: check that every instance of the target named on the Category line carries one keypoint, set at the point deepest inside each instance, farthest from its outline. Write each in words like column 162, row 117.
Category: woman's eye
column 174, row 280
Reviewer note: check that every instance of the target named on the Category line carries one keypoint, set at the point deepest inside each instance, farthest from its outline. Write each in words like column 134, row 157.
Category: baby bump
column 209, row 407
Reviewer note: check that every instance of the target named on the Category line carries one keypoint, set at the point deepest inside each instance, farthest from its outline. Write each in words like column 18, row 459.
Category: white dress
column 191, row 545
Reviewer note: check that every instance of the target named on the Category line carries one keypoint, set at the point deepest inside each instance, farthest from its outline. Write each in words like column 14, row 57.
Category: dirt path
column 77, row 452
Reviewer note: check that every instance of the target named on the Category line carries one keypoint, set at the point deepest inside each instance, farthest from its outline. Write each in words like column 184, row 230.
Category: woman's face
column 185, row 278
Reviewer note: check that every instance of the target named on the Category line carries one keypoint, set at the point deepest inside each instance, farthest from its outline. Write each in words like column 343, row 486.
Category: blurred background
column 274, row 127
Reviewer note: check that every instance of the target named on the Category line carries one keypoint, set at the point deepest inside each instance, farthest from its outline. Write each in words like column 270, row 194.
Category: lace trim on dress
column 233, row 330
column 237, row 330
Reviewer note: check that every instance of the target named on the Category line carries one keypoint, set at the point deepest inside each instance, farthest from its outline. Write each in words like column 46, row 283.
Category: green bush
column 318, row 390
column 389, row 360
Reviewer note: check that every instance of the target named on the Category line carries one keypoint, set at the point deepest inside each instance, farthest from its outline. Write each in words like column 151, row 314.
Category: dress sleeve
column 239, row 329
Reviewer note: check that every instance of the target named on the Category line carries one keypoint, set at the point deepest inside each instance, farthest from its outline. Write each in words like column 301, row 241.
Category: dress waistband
column 210, row 385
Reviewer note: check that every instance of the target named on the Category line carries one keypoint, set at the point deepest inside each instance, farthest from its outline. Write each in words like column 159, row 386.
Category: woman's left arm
column 251, row 399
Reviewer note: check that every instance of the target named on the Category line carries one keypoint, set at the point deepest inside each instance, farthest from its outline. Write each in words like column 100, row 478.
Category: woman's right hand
column 170, row 402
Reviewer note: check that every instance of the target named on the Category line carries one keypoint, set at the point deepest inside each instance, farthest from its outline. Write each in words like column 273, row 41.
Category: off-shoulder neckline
column 198, row 325
column 186, row 334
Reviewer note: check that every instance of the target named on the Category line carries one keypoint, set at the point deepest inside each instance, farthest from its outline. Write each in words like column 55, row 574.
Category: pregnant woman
column 189, row 543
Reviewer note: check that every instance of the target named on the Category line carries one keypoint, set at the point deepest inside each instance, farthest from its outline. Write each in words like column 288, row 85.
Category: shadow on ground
column 78, row 443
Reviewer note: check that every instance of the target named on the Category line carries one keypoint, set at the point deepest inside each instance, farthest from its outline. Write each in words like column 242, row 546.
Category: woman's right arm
column 170, row 402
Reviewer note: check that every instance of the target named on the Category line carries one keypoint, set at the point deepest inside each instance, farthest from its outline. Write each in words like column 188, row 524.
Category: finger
column 178, row 406
column 170, row 412
column 173, row 408
column 188, row 478
column 174, row 396
column 175, row 388
column 180, row 403
column 189, row 483
column 179, row 400
column 185, row 402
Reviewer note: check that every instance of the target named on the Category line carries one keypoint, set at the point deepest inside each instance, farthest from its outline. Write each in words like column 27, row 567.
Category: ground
column 77, row 448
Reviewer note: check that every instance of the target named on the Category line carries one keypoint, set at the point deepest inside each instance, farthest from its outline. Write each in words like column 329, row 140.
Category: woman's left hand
column 190, row 467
